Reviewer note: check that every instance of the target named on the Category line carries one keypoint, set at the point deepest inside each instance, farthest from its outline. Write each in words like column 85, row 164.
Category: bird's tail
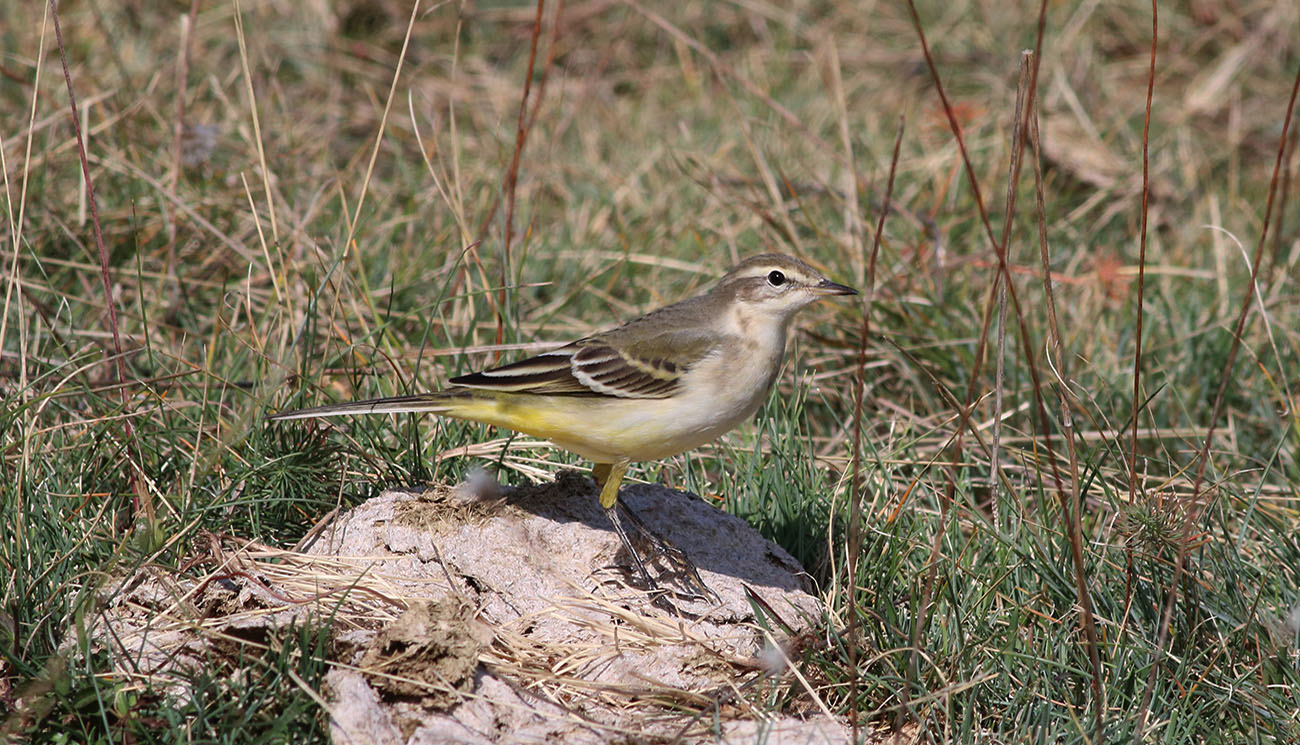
column 442, row 402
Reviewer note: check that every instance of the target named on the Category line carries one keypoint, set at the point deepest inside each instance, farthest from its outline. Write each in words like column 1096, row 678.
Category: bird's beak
column 827, row 287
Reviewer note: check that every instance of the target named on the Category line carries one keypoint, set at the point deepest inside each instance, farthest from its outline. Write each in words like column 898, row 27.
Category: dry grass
column 302, row 206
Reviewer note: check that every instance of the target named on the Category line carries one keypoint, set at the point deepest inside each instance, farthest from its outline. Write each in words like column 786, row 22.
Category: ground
column 1045, row 498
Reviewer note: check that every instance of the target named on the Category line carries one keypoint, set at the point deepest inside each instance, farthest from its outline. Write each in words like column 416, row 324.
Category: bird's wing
column 618, row 363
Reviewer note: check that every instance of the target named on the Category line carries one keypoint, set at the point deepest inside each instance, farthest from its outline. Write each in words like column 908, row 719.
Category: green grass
column 645, row 174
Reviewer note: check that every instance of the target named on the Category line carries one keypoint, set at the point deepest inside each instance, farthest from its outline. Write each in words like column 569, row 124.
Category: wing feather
column 615, row 363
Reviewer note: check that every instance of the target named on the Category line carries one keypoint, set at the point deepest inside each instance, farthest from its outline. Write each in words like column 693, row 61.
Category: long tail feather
column 442, row 401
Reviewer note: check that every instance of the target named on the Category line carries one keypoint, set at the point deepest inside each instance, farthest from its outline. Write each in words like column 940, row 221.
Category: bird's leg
column 674, row 557
column 609, row 476
column 600, row 472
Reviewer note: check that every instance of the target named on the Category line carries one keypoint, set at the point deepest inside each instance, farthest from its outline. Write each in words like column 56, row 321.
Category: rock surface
column 568, row 650
column 473, row 615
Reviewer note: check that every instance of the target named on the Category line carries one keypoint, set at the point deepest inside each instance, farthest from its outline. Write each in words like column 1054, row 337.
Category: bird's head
column 776, row 285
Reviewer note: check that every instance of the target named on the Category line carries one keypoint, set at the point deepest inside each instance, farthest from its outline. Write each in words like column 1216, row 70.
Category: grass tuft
column 305, row 205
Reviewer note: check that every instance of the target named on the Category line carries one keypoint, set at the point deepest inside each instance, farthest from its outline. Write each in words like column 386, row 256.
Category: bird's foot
column 676, row 575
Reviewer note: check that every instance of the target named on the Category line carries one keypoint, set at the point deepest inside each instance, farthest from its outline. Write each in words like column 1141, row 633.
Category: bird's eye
column 775, row 278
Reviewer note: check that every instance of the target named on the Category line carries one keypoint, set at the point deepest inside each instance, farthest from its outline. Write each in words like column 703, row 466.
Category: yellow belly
column 603, row 429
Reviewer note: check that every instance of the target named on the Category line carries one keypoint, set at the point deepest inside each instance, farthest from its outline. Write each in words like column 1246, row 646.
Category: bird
column 665, row 383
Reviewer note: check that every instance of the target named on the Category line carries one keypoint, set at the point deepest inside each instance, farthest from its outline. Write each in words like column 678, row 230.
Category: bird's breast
column 737, row 379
